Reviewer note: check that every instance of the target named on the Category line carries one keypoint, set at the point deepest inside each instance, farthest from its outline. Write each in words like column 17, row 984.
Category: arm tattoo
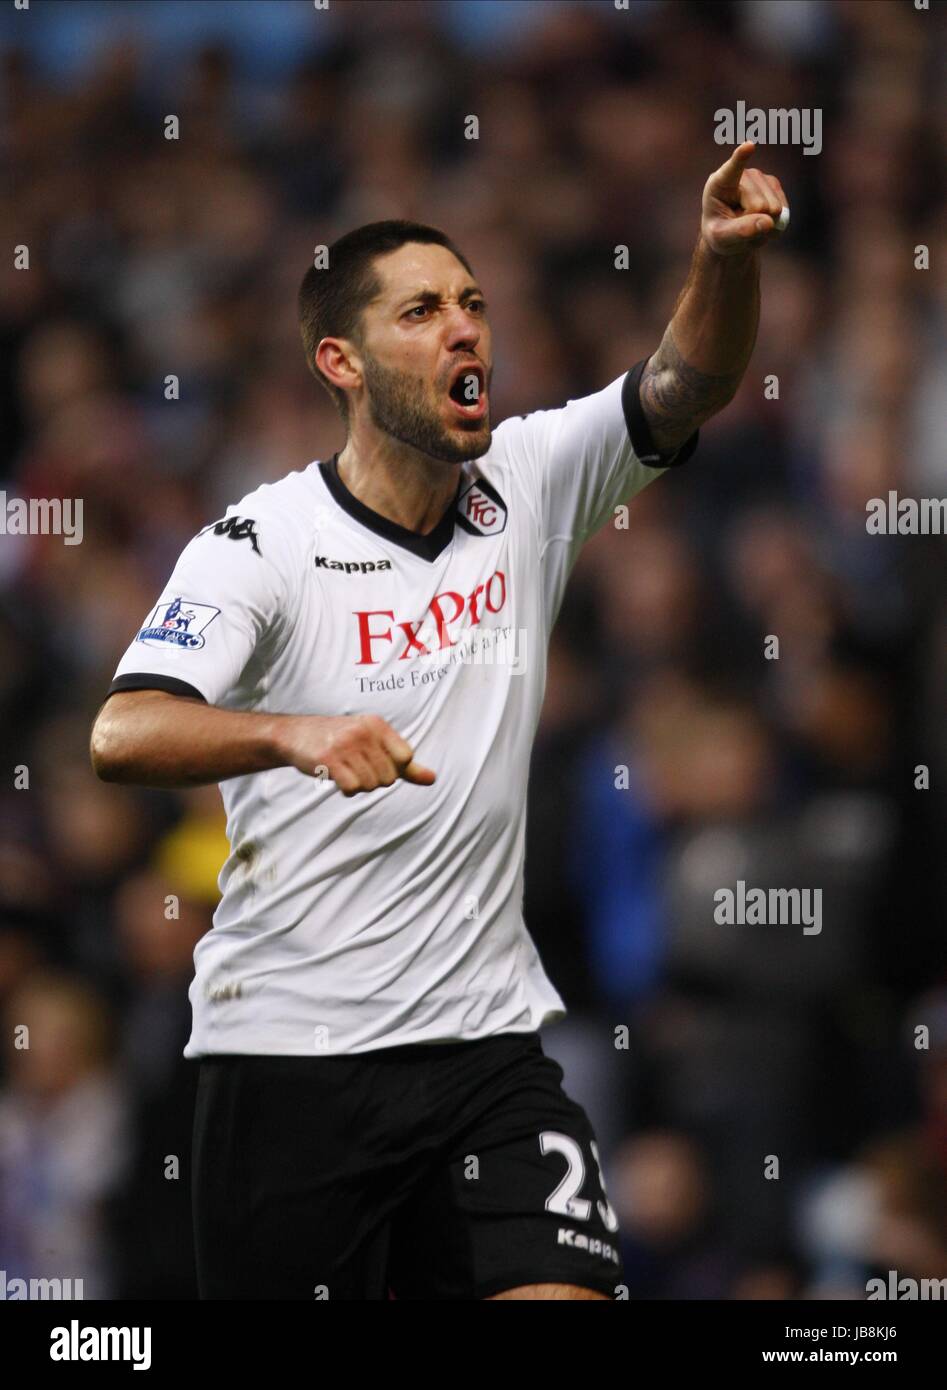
column 676, row 398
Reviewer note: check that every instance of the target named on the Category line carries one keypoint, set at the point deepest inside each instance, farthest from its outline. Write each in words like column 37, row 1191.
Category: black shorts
column 449, row 1170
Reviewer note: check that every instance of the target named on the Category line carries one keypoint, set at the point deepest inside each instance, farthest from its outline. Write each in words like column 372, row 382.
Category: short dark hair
column 331, row 301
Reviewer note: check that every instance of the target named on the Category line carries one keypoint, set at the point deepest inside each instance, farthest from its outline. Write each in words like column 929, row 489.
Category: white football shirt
column 348, row 924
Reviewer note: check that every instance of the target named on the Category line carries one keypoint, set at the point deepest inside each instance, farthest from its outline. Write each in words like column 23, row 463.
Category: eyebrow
column 432, row 297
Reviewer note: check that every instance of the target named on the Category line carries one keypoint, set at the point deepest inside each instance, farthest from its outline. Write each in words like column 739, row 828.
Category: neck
column 399, row 482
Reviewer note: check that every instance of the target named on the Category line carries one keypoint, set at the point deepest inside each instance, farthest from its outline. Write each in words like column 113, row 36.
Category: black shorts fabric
column 443, row 1171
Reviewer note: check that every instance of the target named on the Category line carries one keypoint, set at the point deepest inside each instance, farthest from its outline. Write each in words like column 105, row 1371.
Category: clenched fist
column 741, row 207
column 359, row 753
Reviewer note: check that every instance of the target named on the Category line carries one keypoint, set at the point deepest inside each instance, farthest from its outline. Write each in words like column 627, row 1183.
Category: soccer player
column 361, row 668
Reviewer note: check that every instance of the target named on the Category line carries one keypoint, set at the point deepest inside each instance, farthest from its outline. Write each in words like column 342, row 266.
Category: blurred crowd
column 675, row 756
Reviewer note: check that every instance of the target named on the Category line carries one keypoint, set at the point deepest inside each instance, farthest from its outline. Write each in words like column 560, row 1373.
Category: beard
column 397, row 404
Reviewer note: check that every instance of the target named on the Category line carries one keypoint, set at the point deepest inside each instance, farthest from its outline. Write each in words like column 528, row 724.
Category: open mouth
column 467, row 392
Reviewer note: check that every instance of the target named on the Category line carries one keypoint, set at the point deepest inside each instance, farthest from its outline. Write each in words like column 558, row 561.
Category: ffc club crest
column 180, row 623
column 481, row 510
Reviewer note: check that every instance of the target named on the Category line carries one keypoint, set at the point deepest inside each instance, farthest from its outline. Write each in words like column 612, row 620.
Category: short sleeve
column 584, row 459
column 226, row 595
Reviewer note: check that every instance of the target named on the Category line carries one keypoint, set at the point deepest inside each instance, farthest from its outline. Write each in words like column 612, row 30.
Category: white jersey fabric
column 394, row 916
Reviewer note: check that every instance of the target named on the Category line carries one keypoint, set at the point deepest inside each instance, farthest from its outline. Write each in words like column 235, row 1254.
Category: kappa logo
column 179, row 623
column 578, row 1240
column 237, row 528
column 351, row 566
column 481, row 510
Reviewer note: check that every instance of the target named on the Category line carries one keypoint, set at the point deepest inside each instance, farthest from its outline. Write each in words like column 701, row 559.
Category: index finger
column 421, row 776
column 728, row 175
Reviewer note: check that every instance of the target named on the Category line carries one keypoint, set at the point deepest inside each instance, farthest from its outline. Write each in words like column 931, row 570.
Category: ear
column 338, row 360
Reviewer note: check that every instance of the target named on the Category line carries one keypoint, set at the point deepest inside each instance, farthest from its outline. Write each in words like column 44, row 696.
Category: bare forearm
column 706, row 348
column 158, row 740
